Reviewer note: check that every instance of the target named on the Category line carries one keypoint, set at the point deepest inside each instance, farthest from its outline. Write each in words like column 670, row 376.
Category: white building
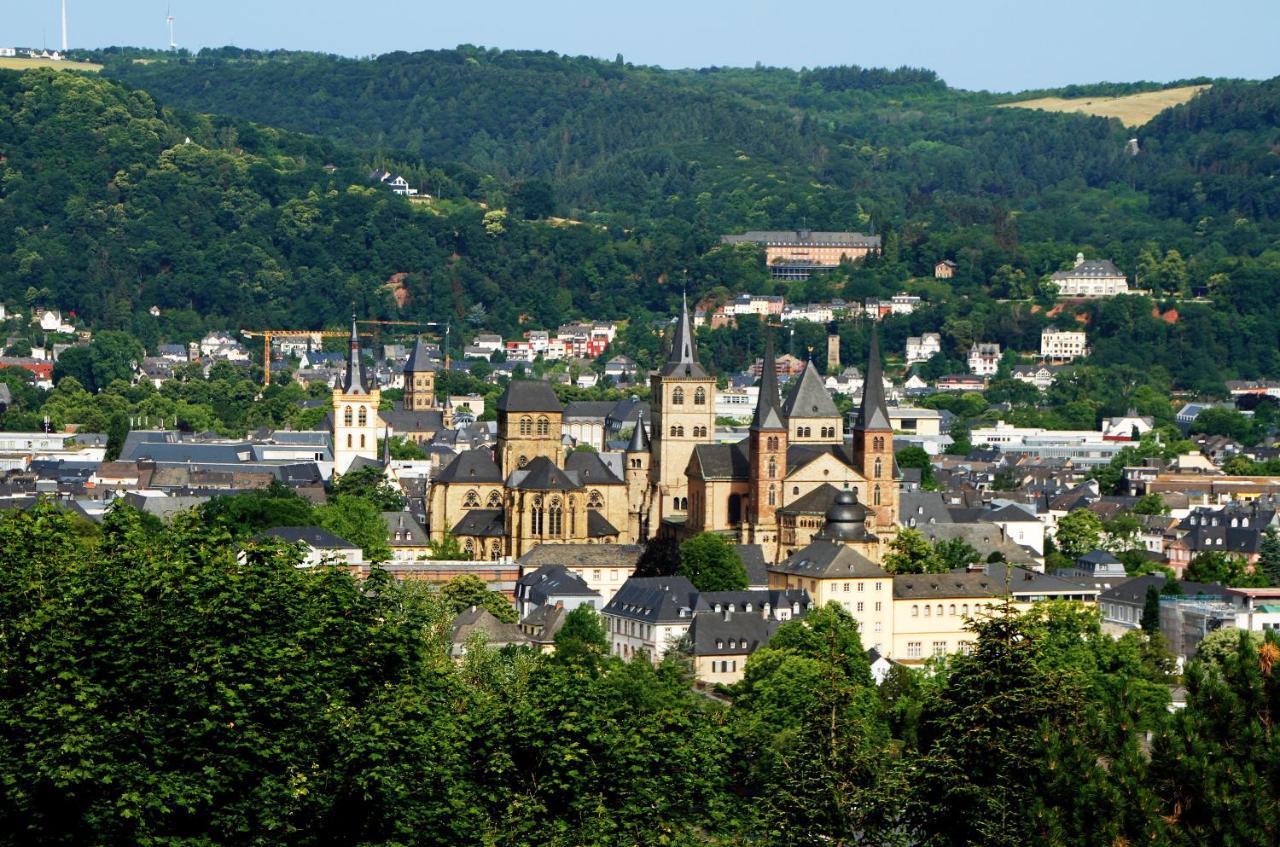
column 1131, row 425
column 984, row 359
column 1062, row 345
column 319, row 546
column 1041, row 376
column 1090, row 278
column 921, row 348
column 650, row 614
column 814, row 313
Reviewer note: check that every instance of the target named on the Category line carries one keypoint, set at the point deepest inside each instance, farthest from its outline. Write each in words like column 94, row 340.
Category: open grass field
column 24, row 64
column 1132, row 110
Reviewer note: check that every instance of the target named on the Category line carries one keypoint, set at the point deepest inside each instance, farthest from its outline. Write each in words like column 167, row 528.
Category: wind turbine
column 173, row 45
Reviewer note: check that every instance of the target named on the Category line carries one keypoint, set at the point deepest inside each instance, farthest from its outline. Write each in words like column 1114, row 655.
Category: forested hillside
column 106, row 211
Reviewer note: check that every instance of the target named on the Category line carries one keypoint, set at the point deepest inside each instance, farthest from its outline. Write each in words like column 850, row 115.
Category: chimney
column 833, row 348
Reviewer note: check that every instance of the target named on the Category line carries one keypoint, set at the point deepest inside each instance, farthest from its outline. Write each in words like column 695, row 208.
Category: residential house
column 945, row 269
column 603, row 567
column 1090, row 278
column 479, row 624
column 554, row 585
column 650, row 615
column 1062, row 345
column 984, row 359
column 318, row 546
column 921, row 348
column 1041, row 375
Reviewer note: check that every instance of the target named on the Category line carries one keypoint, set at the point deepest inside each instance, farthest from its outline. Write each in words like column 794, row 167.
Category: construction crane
column 267, row 334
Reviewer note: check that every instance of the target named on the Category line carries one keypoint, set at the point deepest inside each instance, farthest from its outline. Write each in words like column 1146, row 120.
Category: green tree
column 467, row 590
column 1269, row 555
column 1079, row 532
column 1151, row 610
column 446, row 548
column 711, row 564
column 916, row 457
column 956, row 554
column 1150, row 504
column 1223, row 568
column 369, row 484
column 253, row 511
column 359, row 521
column 911, row 552
column 582, row 633
column 1220, row 645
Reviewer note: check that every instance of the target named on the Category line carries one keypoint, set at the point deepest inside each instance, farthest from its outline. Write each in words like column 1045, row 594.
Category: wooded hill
column 243, row 227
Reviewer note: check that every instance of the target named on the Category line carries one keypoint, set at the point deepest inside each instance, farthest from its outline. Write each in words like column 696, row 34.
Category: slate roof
column 472, row 466
column 583, row 555
column 682, row 359
column 598, row 525
column 710, row 634
column 799, row 455
column 1090, row 269
column 542, row 585
column 541, row 474
column 355, row 381
column 589, row 409
column 481, row 523
column 420, row 359
column 807, row 397
column 752, row 556
column 656, row 600
column 723, row 461
column 639, row 438
column 792, row 236
column 403, row 420
column 525, row 395
column 1023, row 582
column 588, row 468
column 817, row 501
column 404, row 523
column 313, row 536
column 1011, row 514
column 768, row 414
column 480, row 620
column 944, row 585
column 922, row 507
column 873, row 414
column 823, row 559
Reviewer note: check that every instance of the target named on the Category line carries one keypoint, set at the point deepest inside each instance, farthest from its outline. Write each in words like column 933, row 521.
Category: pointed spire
column 386, row 446
column 355, row 382
column 639, row 438
column 807, row 397
column 874, row 412
column 768, row 415
column 683, row 358
column 419, row 359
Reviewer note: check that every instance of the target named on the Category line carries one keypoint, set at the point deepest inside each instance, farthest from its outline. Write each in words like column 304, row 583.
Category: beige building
column 756, row 489
column 1090, row 278
column 795, row 254
column 1062, row 345
column 355, row 418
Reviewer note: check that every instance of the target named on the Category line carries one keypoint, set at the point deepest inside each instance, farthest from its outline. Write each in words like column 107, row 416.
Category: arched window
column 928, row 610
column 684, row 504
column 348, row 440
column 555, row 519
column 875, row 497
column 526, row 426
column 361, row 441
column 795, row 489
column 680, row 431
column 471, row 500
column 469, row 548
column 915, row 611
column 544, row 426
column 951, row 610
column 878, row 443
column 677, row 397
column 735, row 508
column 346, row 416
column 773, row 496
column 496, row 551
column 363, row 416
column 595, row 500
column 773, row 467
column 494, row 501
column 535, row 517
column 771, row 443
column 700, row 397
column 879, row 469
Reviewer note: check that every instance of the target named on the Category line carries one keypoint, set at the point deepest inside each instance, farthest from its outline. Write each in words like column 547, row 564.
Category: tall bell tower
column 355, row 411
column 873, row 443
column 682, row 397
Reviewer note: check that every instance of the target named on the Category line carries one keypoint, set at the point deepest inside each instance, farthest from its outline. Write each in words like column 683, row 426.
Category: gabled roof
column 710, row 634
column 589, row 409
column 529, row 395
column 656, row 599
column 481, row 523
column 807, row 397
column 541, row 474
column 598, row 526
column 816, row 501
column 355, row 382
column 723, row 461
column 588, row 468
column 824, row 559
column 472, row 466
column 583, row 555
column 313, row 536
column 752, row 556
column 682, row 360
column 550, row 581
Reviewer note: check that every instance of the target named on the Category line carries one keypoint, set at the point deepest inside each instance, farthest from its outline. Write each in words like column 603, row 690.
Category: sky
column 999, row 45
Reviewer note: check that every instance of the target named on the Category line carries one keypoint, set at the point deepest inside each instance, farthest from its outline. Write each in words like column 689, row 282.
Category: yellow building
column 355, row 418
column 842, row 565
column 538, row 495
column 795, row 447
column 683, row 400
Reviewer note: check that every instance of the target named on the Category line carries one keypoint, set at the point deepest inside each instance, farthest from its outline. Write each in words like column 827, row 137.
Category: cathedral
column 773, row 488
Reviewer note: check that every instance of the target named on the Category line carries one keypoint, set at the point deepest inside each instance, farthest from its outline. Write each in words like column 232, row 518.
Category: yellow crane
column 267, row 334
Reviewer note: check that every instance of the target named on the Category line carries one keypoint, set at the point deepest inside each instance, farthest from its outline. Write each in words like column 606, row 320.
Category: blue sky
column 993, row 44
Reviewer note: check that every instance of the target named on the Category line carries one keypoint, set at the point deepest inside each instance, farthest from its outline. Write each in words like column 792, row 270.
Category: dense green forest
column 157, row 688
column 106, row 210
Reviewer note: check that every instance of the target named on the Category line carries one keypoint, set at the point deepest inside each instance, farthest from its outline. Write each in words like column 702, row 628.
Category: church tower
column 419, row 380
column 810, row 413
column 355, row 412
column 873, row 444
column 636, row 475
column 683, row 400
column 767, row 449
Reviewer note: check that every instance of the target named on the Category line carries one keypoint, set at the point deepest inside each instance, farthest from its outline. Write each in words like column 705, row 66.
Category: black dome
column 846, row 519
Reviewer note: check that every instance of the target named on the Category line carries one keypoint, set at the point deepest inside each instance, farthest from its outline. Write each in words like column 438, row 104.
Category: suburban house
column 554, row 585
column 921, row 348
column 984, row 359
column 319, row 546
column 1062, row 345
column 945, row 269
column 1041, row 376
